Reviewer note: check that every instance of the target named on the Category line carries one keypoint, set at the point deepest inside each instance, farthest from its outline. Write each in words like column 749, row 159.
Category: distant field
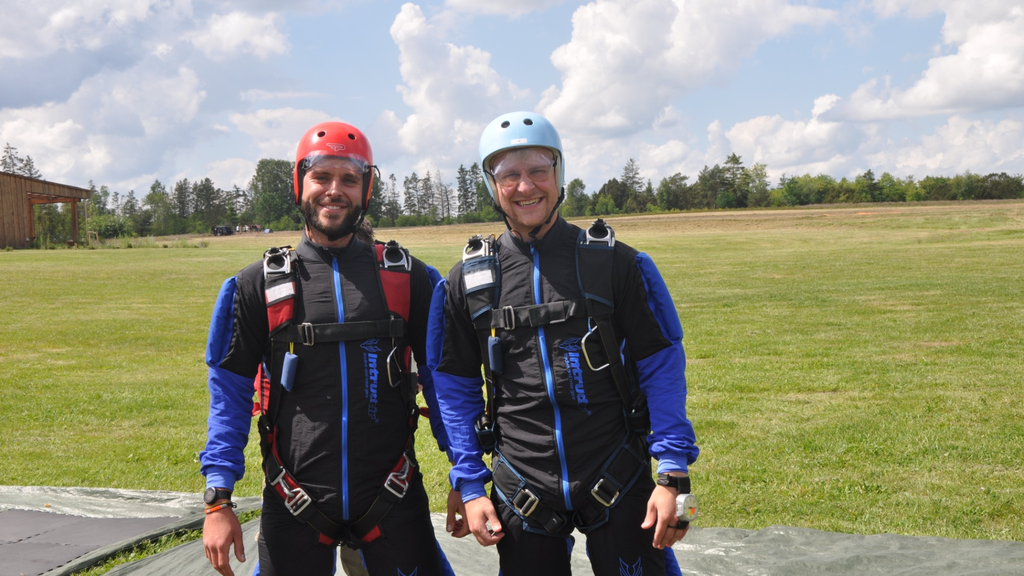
column 856, row 369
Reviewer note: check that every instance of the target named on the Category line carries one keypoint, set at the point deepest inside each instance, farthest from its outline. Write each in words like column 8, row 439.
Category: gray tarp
column 57, row 531
column 776, row 550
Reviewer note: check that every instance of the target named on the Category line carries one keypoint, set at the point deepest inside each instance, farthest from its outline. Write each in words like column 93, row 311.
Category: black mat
column 33, row 543
column 59, row 531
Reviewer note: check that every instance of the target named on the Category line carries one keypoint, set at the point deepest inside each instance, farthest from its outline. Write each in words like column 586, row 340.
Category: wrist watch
column 680, row 483
column 213, row 494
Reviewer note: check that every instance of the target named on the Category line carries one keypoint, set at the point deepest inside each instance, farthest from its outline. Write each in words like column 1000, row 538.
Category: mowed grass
column 856, row 369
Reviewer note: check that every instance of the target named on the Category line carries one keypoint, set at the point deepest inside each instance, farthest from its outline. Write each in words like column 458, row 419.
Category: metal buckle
column 608, row 238
column 586, row 356
column 599, row 498
column 475, row 247
column 508, row 315
column 295, row 500
column 277, row 261
column 392, row 248
column 527, row 507
column 306, row 332
column 398, row 482
column 398, row 366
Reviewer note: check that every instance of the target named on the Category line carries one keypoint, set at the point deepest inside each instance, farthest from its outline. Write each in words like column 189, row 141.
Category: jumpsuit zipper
column 549, row 382
column 344, row 392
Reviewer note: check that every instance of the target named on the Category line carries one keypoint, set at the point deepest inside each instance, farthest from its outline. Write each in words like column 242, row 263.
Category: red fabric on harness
column 281, row 312
column 262, row 385
column 396, row 286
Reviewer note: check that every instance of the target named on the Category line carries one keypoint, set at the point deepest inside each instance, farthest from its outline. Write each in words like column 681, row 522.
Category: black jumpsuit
column 342, row 428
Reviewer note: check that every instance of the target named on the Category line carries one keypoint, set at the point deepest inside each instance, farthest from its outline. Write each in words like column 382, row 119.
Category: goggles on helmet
column 537, row 164
column 358, row 163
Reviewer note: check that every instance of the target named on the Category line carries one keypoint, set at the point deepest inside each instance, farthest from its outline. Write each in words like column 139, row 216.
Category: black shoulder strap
column 481, row 283
column 595, row 251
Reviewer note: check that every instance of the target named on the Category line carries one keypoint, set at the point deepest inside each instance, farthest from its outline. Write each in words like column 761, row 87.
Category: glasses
column 513, row 176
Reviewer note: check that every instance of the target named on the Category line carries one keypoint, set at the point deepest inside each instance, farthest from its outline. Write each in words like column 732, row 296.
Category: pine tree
column 10, row 161
column 28, row 168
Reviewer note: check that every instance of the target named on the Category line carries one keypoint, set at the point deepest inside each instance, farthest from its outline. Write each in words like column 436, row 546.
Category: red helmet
column 338, row 140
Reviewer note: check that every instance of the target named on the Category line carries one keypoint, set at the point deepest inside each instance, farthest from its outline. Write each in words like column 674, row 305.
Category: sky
column 124, row 92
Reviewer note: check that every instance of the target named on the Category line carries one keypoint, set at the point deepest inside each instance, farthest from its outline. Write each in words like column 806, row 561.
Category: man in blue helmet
column 583, row 370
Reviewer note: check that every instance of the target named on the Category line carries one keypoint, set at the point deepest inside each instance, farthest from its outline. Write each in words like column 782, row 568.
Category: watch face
column 210, row 495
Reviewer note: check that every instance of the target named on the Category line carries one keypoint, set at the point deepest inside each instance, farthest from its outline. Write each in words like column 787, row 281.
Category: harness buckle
column 476, row 247
column 398, row 482
column 277, row 260
column 525, row 508
column 596, row 492
column 295, row 500
column 392, row 359
column 600, row 233
column 306, row 332
column 508, row 316
column 395, row 257
column 586, row 356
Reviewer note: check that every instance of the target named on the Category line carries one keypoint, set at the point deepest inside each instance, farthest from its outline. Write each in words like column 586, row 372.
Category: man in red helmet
column 326, row 331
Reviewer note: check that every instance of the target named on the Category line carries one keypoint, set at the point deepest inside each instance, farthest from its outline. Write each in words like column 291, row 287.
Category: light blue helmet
column 519, row 130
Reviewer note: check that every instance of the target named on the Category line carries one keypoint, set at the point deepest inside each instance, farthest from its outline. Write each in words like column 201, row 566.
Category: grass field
column 856, row 369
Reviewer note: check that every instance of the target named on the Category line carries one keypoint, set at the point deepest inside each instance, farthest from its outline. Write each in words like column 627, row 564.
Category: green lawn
column 855, row 369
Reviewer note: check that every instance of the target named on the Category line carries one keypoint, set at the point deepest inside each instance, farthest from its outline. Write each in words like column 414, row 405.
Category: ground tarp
column 776, row 550
column 57, row 531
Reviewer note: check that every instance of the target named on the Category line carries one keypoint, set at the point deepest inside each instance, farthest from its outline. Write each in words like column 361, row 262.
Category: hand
column 221, row 529
column 661, row 513
column 456, row 525
column 479, row 513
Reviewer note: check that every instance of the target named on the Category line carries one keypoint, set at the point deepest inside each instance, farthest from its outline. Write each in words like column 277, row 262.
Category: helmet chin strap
column 535, row 231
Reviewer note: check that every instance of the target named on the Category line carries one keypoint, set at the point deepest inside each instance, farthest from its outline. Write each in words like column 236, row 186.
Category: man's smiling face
column 332, row 190
column 527, row 187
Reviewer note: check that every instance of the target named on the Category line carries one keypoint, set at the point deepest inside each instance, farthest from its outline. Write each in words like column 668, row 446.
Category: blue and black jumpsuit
column 557, row 421
column 341, row 427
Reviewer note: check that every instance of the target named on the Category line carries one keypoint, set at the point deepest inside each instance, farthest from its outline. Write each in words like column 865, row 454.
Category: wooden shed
column 18, row 194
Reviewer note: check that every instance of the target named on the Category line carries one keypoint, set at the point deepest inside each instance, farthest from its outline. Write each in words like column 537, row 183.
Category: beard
column 347, row 226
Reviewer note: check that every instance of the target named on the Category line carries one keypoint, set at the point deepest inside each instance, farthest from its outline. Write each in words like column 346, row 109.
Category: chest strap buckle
column 306, row 331
column 524, row 501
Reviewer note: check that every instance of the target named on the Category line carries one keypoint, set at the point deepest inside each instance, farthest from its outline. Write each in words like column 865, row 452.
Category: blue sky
column 122, row 92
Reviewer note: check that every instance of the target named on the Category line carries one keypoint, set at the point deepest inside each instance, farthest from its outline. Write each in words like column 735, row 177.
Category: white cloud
column 451, row 89
column 813, row 146
column 628, row 59
column 114, row 125
column 517, row 8
column 276, row 132
column 985, row 72
column 981, row 146
column 47, row 26
column 231, row 172
column 257, row 95
column 229, row 35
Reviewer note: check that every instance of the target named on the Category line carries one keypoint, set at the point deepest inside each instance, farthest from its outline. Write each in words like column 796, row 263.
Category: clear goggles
column 537, row 164
column 355, row 164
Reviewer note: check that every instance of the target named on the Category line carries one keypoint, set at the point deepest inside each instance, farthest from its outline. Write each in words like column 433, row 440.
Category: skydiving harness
column 280, row 272
column 482, row 278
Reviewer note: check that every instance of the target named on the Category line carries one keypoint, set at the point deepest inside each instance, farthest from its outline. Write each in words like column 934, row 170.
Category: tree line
column 194, row 207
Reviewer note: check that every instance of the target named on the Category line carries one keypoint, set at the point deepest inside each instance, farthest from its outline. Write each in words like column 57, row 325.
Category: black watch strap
column 680, row 483
column 213, row 494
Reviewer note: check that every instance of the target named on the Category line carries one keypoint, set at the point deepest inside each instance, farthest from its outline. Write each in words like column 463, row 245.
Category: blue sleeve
column 460, row 402
column 426, row 375
column 223, row 460
column 663, row 379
